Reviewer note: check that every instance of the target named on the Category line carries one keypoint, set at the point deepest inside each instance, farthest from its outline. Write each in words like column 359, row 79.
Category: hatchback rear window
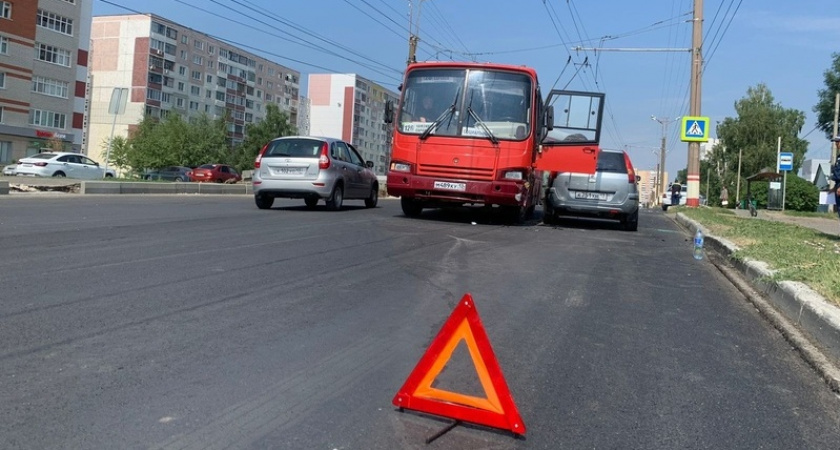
column 300, row 148
column 611, row 162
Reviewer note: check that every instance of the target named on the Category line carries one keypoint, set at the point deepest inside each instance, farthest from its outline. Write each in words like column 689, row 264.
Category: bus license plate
column 450, row 186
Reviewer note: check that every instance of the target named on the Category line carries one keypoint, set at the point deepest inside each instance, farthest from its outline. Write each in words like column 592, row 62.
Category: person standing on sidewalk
column 676, row 191
column 835, row 176
column 724, row 197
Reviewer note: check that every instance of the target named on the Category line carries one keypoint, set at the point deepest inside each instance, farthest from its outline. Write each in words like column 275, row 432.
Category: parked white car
column 63, row 164
column 10, row 170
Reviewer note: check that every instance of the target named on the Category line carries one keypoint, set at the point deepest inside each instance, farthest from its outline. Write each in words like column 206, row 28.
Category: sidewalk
column 829, row 226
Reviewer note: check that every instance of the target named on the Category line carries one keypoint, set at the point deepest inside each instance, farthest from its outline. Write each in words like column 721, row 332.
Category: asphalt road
column 202, row 322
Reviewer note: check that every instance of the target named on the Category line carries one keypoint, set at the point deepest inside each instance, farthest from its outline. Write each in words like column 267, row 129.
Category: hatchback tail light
column 631, row 172
column 259, row 156
column 324, row 159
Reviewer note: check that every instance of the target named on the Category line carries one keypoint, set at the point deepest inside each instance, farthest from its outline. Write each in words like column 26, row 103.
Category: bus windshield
column 468, row 103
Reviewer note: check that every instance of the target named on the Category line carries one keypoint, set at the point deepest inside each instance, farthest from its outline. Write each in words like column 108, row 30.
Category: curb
column 806, row 319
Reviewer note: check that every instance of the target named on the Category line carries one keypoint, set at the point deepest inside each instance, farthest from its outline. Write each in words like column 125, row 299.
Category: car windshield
column 300, row 148
column 467, row 103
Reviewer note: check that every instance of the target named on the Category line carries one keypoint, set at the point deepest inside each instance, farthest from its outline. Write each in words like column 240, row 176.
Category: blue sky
column 786, row 45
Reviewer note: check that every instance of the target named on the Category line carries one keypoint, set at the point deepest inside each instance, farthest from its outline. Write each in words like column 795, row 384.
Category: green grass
column 796, row 253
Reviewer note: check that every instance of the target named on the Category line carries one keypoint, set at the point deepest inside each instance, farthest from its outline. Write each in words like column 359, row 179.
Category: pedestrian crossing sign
column 695, row 129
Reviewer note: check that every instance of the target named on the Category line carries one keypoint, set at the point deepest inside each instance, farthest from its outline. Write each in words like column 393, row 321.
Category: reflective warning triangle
column 495, row 410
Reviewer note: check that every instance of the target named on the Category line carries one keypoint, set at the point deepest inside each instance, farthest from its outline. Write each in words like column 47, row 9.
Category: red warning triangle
column 495, row 410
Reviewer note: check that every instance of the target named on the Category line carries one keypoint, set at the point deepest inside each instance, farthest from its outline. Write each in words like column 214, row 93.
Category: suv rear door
column 572, row 138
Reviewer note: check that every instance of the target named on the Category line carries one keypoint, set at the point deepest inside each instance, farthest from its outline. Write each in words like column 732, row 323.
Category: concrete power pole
column 836, row 119
column 413, row 31
column 693, row 177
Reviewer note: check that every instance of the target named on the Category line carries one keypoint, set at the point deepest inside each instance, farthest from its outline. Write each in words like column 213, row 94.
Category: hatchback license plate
column 450, row 186
column 290, row 170
column 590, row 195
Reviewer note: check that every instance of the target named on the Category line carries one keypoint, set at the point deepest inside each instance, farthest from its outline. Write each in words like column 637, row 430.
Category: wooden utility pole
column 693, row 177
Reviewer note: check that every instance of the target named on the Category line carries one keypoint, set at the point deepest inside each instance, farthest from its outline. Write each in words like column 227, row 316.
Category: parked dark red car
column 215, row 173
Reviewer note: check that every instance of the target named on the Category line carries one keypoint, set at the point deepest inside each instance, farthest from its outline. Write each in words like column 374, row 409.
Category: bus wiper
column 450, row 112
column 483, row 125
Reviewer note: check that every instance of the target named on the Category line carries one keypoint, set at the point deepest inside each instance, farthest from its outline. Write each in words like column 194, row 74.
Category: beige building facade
column 352, row 108
column 168, row 68
column 43, row 76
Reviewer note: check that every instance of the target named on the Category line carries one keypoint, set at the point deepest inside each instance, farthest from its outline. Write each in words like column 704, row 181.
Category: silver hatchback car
column 610, row 193
column 313, row 168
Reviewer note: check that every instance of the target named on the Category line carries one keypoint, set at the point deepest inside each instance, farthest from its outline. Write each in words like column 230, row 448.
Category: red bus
column 471, row 134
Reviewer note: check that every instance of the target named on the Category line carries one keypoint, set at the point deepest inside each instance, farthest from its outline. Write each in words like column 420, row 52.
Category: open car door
column 572, row 132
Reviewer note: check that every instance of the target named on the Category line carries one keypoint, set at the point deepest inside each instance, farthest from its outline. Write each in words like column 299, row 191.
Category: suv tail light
column 324, row 159
column 631, row 172
column 259, row 156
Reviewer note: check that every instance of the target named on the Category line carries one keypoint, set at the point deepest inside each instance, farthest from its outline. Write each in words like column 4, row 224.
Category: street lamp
column 664, row 122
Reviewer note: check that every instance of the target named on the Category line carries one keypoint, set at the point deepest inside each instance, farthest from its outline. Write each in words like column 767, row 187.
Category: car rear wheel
column 336, row 199
column 179, row 179
column 373, row 199
column 59, row 175
column 411, row 207
column 310, row 201
column 630, row 222
column 263, row 201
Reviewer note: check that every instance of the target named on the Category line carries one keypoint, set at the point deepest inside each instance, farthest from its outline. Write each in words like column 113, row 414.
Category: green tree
column 174, row 141
column 274, row 124
column 754, row 133
column 800, row 194
column 825, row 107
column 119, row 152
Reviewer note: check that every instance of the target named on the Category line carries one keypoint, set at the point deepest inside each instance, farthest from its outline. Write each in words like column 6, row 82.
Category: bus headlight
column 513, row 175
column 400, row 167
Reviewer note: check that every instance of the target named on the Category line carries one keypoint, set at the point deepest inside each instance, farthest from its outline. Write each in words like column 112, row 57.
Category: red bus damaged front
column 478, row 134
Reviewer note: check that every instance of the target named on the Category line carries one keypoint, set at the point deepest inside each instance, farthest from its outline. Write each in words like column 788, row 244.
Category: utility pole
column 413, row 32
column 693, row 178
column 662, row 181
column 836, row 118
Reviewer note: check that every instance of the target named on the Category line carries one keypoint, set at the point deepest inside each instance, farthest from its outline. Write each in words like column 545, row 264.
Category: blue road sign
column 695, row 129
column 785, row 161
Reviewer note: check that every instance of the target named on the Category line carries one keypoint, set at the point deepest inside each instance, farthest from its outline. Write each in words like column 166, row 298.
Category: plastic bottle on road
column 698, row 245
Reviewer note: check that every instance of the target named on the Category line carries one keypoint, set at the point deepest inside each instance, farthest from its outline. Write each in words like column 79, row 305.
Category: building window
column 211, row 49
column 53, row 55
column 2, row 80
column 46, row 86
column 45, row 118
column 4, row 45
column 193, row 106
column 5, row 146
column 6, row 10
column 153, row 94
column 209, row 79
column 195, row 90
column 182, row 71
column 179, row 102
column 198, row 44
column 184, row 39
column 183, row 54
column 196, row 75
column 52, row 21
column 198, row 60
column 1, row 114
column 181, row 86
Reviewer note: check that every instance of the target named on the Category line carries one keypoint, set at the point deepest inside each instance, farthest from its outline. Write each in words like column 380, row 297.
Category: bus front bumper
column 509, row 193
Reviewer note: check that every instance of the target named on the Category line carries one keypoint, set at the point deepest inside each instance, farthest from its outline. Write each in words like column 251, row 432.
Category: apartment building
column 43, row 75
column 172, row 69
column 350, row 107
column 647, row 186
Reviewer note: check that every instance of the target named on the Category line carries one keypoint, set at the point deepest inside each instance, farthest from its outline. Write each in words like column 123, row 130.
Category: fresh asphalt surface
column 202, row 322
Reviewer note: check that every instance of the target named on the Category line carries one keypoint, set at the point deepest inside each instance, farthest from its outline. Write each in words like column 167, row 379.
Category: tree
column 275, row 124
column 825, row 107
column 176, row 142
column 119, row 152
column 755, row 132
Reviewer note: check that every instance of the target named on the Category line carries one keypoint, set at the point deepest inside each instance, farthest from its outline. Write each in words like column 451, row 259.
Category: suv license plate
column 450, row 186
column 591, row 195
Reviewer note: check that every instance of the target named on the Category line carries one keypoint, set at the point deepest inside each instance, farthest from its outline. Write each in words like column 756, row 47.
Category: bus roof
column 476, row 65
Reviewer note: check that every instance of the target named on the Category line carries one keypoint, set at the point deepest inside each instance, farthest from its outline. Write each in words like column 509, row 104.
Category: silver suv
column 610, row 193
column 313, row 168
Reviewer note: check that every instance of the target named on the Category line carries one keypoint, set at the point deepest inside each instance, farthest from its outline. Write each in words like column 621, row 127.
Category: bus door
column 572, row 132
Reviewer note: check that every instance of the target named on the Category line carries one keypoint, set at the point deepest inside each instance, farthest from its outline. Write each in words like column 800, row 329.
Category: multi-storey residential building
column 350, row 107
column 647, row 186
column 43, row 73
column 171, row 69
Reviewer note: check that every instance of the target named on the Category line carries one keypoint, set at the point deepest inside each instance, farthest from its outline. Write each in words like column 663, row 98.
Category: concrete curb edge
column 806, row 319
